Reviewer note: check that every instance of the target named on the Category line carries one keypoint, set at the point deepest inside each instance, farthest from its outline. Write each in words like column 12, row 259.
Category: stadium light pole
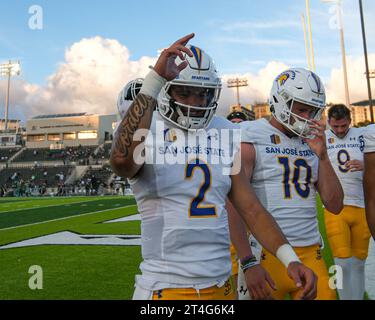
column 11, row 68
column 342, row 43
column 306, row 42
column 237, row 83
column 366, row 62
column 310, row 35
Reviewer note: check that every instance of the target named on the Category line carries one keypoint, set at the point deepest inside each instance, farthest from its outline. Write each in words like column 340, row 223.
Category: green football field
column 96, row 266
column 70, row 271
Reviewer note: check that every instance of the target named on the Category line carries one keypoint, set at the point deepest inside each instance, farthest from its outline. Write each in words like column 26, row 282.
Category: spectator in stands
column 14, row 176
column 87, row 187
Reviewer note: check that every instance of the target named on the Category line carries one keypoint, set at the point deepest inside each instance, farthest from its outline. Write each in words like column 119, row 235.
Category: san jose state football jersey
column 369, row 137
column 342, row 150
column 184, row 223
column 283, row 179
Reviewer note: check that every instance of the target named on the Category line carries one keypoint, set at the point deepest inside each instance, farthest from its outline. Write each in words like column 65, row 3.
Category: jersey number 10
column 303, row 189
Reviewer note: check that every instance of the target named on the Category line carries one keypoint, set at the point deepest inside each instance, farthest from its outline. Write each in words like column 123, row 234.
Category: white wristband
column 286, row 255
column 152, row 84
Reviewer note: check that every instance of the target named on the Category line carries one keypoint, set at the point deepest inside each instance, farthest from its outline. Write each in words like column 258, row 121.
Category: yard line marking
column 75, row 216
column 52, row 205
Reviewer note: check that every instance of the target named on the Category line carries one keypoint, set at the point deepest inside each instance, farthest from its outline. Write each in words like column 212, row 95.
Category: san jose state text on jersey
column 290, row 151
column 192, row 150
column 344, row 146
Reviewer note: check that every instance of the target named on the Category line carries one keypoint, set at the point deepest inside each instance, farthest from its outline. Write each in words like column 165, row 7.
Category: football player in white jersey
column 369, row 190
column 286, row 161
column 369, row 174
column 347, row 232
column 185, row 238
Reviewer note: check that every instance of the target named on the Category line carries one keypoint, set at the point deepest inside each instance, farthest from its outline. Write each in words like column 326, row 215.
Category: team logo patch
column 331, row 140
column 170, row 135
column 215, row 136
column 275, row 139
column 282, row 78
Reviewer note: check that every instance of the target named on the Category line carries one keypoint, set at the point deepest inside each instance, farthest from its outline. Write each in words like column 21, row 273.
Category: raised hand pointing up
column 166, row 65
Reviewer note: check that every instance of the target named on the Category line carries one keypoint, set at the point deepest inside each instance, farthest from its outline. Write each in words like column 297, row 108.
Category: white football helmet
column 127, row 96
column 297, row 84
column 200, row 72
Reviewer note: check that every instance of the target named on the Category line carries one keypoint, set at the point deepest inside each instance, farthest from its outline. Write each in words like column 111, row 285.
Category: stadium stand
column 25, row 182
column 120, row 185
column 50, row 176
column 93, row 182
column 101, row 175
column 7, row 153
column 80, row 155
column 52, row 154
column 103, row 151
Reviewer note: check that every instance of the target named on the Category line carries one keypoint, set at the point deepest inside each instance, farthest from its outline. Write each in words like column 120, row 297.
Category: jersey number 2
column 196, row 210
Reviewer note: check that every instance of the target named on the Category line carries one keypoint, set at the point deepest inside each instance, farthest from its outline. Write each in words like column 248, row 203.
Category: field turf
column 69, row 271
column 73, row 271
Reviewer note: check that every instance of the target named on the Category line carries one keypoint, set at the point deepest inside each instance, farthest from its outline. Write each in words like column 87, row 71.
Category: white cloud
column 258, row 89
column 356, row 79
column 95, row 70
column 89, row 80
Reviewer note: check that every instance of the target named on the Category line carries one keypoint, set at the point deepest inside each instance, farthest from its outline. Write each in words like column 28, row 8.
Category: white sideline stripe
column 75, row 216
column 133, row 217
column 52, row 205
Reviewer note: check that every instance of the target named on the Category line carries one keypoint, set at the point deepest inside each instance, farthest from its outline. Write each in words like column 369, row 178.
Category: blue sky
column 243, row 36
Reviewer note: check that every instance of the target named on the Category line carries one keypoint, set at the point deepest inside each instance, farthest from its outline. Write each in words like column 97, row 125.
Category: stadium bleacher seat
column 7, row 153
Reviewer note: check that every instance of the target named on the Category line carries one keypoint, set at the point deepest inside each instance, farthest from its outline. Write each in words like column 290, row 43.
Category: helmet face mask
column 302, row 86
column 199, row 76
column 300, row 125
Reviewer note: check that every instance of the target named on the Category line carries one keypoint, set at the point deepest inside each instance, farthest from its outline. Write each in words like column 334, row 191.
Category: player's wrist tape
column 152, row 84
column 248, row 262
column 286, row 254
